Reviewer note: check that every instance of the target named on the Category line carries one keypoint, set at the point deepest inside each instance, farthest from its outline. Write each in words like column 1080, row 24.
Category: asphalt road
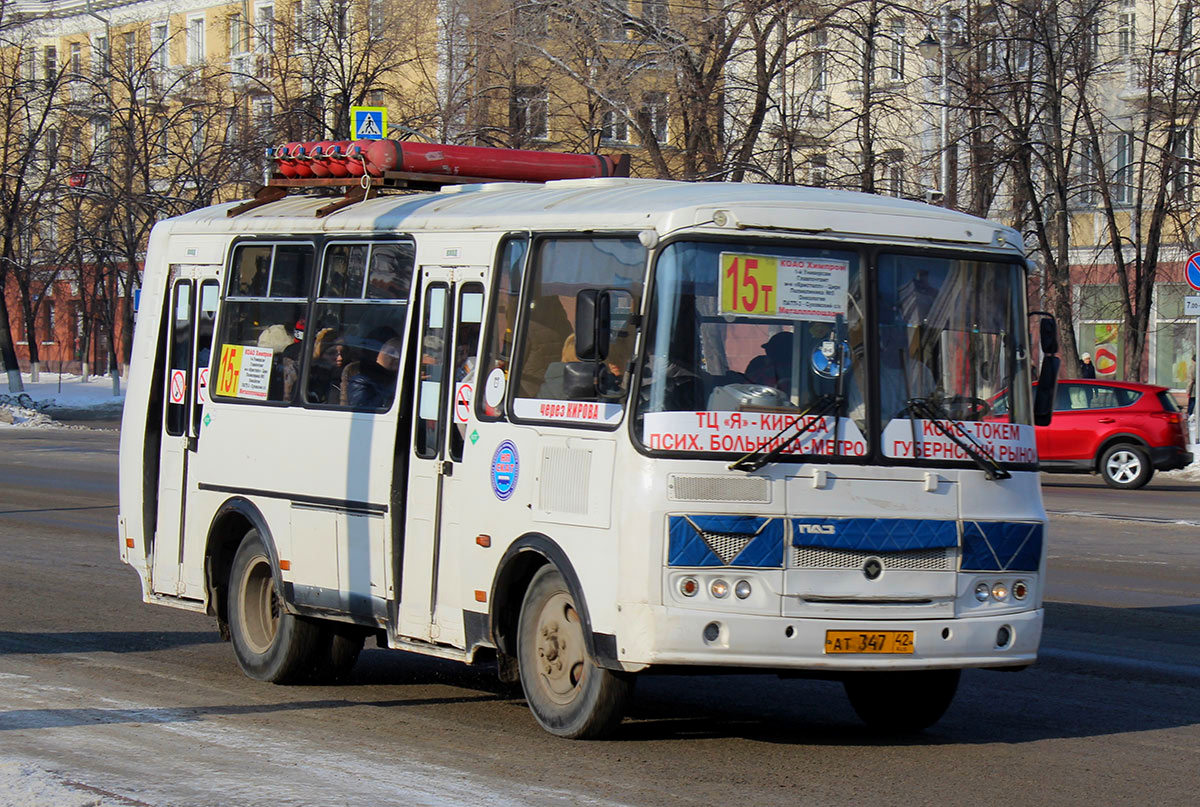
column 141, row 705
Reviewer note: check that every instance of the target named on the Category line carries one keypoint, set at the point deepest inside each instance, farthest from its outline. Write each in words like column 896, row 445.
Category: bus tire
column 269, row 643
column 901, row 702
column 568, row 694
column 336, row 653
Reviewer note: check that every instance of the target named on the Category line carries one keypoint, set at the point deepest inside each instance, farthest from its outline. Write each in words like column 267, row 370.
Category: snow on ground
column 56, row 397
column 24, row 785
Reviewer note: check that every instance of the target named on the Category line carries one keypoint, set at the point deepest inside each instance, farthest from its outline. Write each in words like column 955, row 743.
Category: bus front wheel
column 269, row 643
column 901, row 702
column 568, row 694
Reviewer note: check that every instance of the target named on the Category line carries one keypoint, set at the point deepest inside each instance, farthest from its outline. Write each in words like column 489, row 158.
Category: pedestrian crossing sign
column 368, row 122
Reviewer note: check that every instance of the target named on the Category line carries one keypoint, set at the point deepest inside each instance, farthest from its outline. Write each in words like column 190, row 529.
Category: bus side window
column 206, row 320
column 466, row 352
column 359, row 315
column 499, row 341
column 179, row 377
column 261, row 338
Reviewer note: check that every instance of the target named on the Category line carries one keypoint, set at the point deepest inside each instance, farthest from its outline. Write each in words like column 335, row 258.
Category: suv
column 1121, row 430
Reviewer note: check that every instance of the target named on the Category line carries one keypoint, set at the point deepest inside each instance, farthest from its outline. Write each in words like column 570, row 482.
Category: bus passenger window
column 549, row 368
column 498, row 353
column 358, row 318
column 466, row 349
column 260, row 343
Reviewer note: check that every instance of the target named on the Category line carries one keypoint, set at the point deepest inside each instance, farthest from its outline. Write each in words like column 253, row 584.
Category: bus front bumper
column 685, row 637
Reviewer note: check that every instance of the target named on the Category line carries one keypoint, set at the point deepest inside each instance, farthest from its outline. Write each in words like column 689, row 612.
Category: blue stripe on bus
column 1001, row 546
column 874, row 534
column 764, row 548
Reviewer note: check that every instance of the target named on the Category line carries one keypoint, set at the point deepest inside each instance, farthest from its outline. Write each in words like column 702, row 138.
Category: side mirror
column 593, row 324
column 1043, row 399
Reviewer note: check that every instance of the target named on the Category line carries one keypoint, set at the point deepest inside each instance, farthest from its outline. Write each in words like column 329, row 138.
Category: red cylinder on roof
column 489, row 163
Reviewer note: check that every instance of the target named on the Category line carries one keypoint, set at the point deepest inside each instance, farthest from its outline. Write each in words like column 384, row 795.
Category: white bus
column 592, row 429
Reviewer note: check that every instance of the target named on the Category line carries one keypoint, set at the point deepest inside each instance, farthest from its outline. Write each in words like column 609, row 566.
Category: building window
column 162, row 143
column 50, row 66
column 818, row 170
column 76, row 61
column 264, row 28
column 531, row 19
column 614, row 127
column 611, row 15
column 818, row 42
column 197, row 134
column 655, row 12
column 1089, row 175
column 159, row 57
column 129, row 44
column 894, row 53
column 529, row 113
column 376, row 19
column 1122, row 184
column 237, row 35
column 1173, row 335
column 100, row 56
column 1099, row 327
column 654, row 110
column 1181, row 168
column 195, row 40
column 894, row 172
column 1126, row 33
column 101, row 140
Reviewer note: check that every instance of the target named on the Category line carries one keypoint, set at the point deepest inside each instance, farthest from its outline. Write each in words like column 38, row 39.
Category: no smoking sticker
column 178, row 386
column 463, row 395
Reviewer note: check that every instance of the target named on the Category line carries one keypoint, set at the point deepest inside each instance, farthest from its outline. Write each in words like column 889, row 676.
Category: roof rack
column 366, row 168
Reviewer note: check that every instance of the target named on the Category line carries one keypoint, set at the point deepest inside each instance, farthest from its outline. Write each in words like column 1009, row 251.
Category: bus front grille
column 932, row 560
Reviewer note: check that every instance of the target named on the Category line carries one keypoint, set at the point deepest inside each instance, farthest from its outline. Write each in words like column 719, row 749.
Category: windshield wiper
column 822, row 405
column 928, row 409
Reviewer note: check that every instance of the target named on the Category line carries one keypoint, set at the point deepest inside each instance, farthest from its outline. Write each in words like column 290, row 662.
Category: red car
column 1121, row 430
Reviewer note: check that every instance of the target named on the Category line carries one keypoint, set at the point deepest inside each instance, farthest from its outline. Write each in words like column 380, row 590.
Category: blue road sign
column 1192, row 272
column 368, row 122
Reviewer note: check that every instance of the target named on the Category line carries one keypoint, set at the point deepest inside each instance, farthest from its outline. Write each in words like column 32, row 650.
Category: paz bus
column 589, row 428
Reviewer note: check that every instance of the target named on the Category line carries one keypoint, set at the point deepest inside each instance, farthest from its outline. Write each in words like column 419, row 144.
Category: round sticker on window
column 506, row 466
column 493, row 390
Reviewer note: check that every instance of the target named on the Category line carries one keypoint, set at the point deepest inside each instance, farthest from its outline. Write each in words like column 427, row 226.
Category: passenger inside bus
column 547, row 330
column 774, row 367
column 372, row 384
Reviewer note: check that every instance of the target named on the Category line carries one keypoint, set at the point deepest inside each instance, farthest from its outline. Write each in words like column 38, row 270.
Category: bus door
column 191, row 315
column 451, row 319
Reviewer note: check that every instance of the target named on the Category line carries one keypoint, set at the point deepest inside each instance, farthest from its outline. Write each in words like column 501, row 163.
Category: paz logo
column 506, row 467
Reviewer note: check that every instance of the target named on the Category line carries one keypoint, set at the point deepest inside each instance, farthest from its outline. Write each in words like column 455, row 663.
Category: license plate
column 879, row 641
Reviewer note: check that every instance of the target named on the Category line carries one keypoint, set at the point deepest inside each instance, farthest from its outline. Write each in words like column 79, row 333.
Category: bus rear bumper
column 787, row 643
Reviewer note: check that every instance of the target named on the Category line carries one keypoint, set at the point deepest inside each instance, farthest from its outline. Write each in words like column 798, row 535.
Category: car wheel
column 1126, row 466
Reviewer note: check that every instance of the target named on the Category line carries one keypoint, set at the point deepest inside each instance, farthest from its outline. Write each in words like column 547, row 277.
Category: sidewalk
column 54, row 399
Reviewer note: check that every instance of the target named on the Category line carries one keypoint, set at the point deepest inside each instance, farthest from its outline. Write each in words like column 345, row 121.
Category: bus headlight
column 1000, row 592
column 688, row 587
column 982, row 592
column 1020, row 590
column 741, row 589
column 719, row 588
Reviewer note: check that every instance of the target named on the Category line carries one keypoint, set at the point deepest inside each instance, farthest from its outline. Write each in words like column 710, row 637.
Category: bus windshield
column 749, row 344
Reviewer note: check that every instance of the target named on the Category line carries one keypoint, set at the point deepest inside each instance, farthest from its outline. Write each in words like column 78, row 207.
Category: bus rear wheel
column 269, row 643
column 568, row 694
column 901, row 702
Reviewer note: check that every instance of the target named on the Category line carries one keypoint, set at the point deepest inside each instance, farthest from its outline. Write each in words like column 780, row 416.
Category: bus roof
column 617, row 204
